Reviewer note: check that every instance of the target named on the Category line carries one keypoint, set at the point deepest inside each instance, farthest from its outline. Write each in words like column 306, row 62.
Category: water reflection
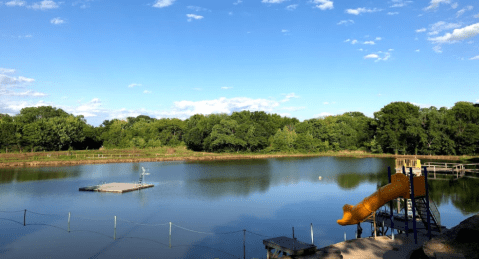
column 37, row 174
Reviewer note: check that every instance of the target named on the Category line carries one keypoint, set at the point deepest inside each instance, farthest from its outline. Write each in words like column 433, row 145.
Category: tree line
column 399, row 128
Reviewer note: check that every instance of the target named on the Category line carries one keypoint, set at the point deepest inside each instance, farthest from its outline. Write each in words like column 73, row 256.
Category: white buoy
column 320, row 178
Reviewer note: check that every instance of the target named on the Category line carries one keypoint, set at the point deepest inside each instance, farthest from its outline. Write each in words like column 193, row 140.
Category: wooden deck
column 116, row 187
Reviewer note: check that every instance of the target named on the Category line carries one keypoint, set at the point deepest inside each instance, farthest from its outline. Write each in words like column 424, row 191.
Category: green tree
column 391, row 125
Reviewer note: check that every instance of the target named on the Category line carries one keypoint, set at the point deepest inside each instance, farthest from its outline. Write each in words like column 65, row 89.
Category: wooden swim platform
column 116, row 187
column 286, row 245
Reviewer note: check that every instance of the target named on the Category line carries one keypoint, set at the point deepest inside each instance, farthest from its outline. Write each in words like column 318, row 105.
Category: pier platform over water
column 116, row 187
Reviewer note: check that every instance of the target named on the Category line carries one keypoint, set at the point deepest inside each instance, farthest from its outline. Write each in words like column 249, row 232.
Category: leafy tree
column 284, row 139
column 391, row 125
column 223, row 137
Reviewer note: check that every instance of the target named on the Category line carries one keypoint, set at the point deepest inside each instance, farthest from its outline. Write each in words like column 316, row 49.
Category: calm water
column 267, row 197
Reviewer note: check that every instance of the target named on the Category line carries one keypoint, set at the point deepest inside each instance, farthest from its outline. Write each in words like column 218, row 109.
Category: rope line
column 143, row 224
column 210, row 233
column 256, row 234
column 11, row 211
column 29, row 211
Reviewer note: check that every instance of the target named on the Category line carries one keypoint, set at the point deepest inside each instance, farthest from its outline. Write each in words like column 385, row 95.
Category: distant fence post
column 114, row 233
column 69, row 214
column 312, row 236
column 170, row 234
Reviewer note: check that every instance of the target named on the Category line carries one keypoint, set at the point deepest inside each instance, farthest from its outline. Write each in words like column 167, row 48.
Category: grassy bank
column 166, row 154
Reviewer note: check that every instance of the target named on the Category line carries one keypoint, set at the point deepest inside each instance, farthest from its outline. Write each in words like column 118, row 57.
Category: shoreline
column 211, row 157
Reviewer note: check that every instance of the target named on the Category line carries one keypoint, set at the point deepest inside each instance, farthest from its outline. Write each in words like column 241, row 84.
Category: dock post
column 24, row 218
column 406, row 209
column 170, row 234
column 391, row 202
column 293, row 240
column 114, row 233
column 312, row 236
column 428, row 213
column 375, row 231
column 413, row 205
column 344, row 235
column 69, row 214
column 244, row 243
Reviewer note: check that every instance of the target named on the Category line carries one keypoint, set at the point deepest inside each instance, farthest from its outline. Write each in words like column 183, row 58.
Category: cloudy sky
column 175, row 58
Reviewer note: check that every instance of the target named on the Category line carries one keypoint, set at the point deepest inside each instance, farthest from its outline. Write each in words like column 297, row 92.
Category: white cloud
column 197, row 89
column 230, row 13
column 371, row 56
column 6, row 70
column 417, row 50
column 393, row 13
column 89, row 109
column 222, row 105
column 454, row 5
column 284, row 31
column 475, row 58
column 345, row 22
column 82, row 3
column 193, row 16
column 291, row 7
column 434, row 4
column 458, row 34
column 400, row 3
column 379, row 38
column 323, row 4
column 45, row 5
column 57, row 21
column 273, row 1
column 437, row 49
column 360, row 49
column 10, row 80
column 441, row 26
column 198, row 9
column 390, row 50
column 325, row 103
column 369, row 42
column 289, row 96
column 354, row 42
column 163, row 3
column 238, row 2
column 133, row 85
column 147, row 92
column 226, row 87
column 421, row 30
column 463, row 10
column 348, row 40
column 377, row 56
column 23, row 94
column 360, row 10
column 15, row 3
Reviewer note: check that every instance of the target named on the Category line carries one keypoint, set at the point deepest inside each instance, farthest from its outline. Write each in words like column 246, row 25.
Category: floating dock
column 116, row 187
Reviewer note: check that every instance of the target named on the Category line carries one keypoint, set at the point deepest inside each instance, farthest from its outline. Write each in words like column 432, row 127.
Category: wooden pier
column 116, row 187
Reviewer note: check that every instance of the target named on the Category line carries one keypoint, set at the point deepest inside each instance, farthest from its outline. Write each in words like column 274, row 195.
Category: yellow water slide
column 399, row 187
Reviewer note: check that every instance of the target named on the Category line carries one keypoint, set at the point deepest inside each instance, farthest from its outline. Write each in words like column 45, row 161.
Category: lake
column 208, row 203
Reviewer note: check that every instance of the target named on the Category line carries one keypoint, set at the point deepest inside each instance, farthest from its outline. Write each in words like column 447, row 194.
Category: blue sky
column 175, row 58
